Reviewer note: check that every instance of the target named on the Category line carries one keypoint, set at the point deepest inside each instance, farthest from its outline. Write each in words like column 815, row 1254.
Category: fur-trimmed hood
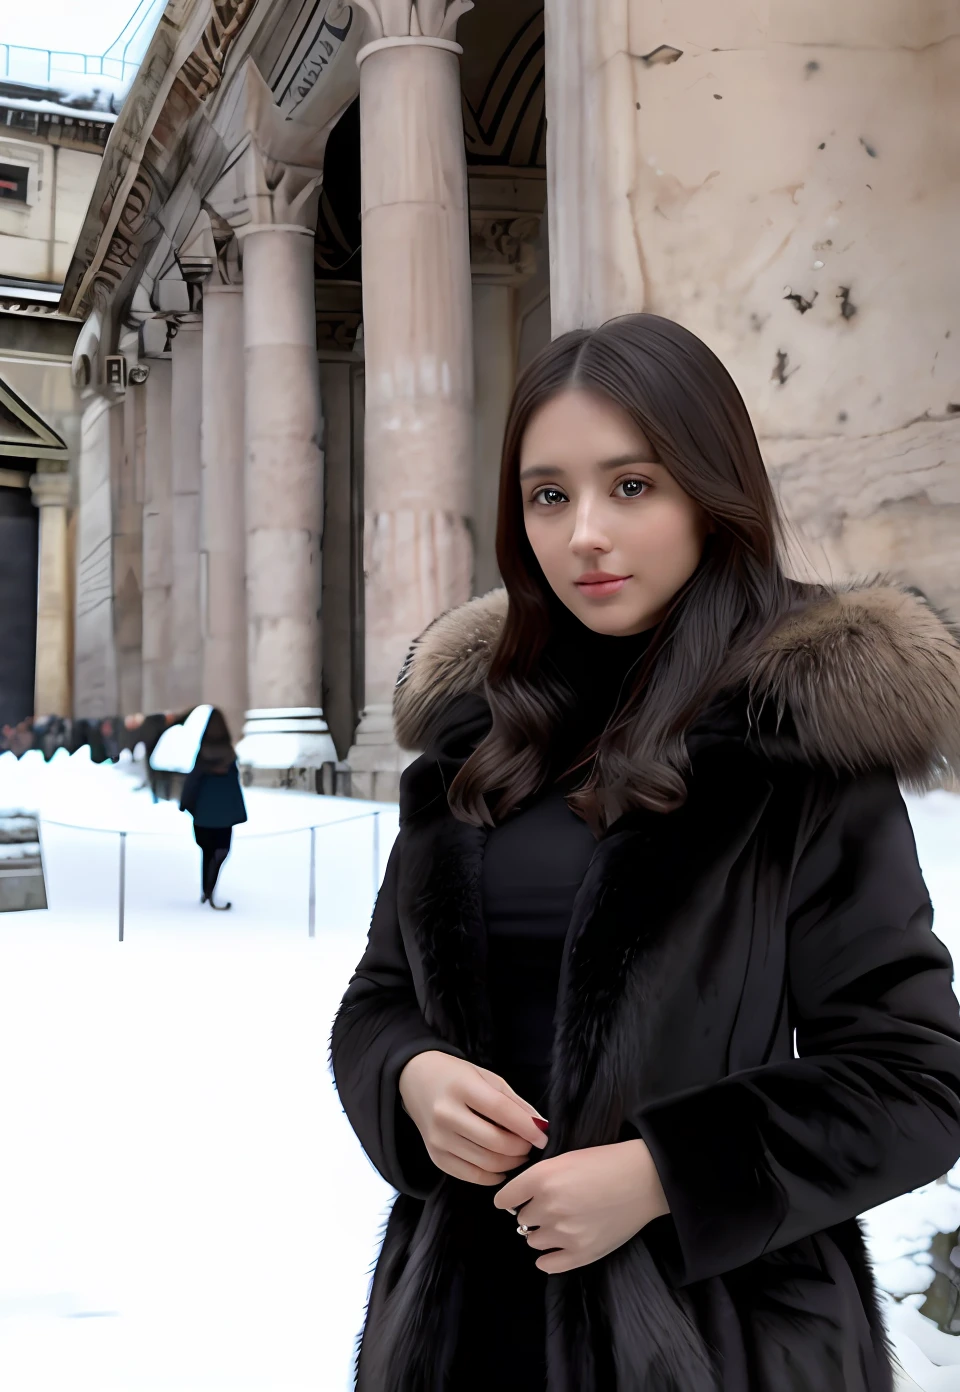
column 869, row 674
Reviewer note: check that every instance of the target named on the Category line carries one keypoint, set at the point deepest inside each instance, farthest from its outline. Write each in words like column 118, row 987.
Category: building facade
column 50, row 155
column 324, row 238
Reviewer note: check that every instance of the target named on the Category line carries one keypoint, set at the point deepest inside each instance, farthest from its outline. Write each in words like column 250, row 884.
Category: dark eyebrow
column 555, row 471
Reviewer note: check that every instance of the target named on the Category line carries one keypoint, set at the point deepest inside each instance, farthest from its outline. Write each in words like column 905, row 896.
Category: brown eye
column 549, row 496
column 635, row 487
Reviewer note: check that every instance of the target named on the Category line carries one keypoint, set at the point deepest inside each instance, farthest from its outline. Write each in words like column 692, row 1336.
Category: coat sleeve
column 871, row 1107
column 378, row 1028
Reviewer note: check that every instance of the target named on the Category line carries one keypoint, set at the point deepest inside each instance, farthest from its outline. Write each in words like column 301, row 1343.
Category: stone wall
column 37, row 237
column 784, row 180
column 95, row 690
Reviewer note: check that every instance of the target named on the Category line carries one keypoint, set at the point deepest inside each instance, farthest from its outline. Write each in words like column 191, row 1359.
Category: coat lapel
column 635, row 925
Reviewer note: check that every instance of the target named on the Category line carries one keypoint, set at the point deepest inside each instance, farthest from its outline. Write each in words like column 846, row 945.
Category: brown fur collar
column 870, row 675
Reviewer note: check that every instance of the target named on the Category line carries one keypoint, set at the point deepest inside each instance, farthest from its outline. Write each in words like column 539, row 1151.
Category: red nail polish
column 544, row 1125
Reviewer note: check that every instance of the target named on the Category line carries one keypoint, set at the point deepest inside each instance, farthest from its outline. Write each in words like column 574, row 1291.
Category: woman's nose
column 588, row 531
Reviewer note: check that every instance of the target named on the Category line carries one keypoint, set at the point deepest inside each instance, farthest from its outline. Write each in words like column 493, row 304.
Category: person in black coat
column 160, row 781
column 651, row 1007
column 213, row 797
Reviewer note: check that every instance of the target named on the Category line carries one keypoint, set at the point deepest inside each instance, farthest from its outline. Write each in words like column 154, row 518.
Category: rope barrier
column 246, row 836
column 124, row 832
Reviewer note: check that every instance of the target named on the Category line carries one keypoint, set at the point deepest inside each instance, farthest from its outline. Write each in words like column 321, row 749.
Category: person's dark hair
column 688, row 406
column 216, row 748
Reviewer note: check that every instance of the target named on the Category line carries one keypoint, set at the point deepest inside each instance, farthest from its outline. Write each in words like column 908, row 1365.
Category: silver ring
column 523, row 1229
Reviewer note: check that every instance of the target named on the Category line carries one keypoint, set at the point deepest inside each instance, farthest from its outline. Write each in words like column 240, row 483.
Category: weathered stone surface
column 887, row 502
column 785, row 187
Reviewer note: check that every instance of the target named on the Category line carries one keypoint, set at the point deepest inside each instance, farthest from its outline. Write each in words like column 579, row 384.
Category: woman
column 654, row 838
column 214, row 798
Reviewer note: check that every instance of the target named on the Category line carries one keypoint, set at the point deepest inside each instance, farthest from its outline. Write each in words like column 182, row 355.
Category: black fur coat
column 750, row 983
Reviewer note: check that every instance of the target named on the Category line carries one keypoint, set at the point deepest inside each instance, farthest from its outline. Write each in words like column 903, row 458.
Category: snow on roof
column 51, row 108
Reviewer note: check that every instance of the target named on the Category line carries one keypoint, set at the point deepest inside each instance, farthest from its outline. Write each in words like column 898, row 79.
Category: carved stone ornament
column 409, row 19
column 202, row 73
column 123, row 248
column 45, row 309
column 339, row 314
column 118, row 222
column 337, row 329
column 502, row 246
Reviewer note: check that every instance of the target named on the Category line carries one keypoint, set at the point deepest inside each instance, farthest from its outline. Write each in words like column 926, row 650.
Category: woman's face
column 615, row 534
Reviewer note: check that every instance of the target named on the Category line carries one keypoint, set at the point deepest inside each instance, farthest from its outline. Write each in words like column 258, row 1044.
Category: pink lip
column 599, row 583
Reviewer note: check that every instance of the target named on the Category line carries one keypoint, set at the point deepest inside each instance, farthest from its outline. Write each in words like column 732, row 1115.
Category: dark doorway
column 19, row 542
column 341, row 605
column 337, row 245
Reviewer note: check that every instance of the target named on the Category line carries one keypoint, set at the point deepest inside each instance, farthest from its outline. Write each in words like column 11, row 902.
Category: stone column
column 596, row 261
column 51, row 494
column 744, row 171
column 285, row 730
column 505, row 214
column 157, row 538
column 95, row 657
column 128, row 554
column 418, row 354
column 223, row 602
column 185, row 415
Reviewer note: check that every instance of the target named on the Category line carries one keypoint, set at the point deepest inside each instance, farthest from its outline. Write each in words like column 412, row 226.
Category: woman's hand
column 473, row 1124
column 586, row 1203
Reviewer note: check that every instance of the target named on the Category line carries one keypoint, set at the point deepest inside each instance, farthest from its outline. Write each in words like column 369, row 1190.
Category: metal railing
column 253, row 836
column 40, row 64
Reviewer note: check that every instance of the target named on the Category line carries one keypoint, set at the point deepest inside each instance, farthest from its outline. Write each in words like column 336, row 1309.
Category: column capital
column 187, row 323
column 272, row 179
column 412, row 19
column 50, row 490
column 209, row 254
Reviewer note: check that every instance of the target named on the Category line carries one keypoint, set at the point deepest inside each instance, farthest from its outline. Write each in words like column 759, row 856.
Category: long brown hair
column 688, row 406
column 216, row 752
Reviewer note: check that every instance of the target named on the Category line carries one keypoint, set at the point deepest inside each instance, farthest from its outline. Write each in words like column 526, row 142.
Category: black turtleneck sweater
column 533, row 865
column 535, row 861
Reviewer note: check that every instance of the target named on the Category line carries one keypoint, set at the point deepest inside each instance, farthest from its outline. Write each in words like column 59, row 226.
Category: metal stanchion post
column 123, row 878
column 313, row 882
column 376, row 855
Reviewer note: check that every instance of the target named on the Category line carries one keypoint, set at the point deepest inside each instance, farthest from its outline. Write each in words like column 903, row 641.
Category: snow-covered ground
column 183, row 1207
